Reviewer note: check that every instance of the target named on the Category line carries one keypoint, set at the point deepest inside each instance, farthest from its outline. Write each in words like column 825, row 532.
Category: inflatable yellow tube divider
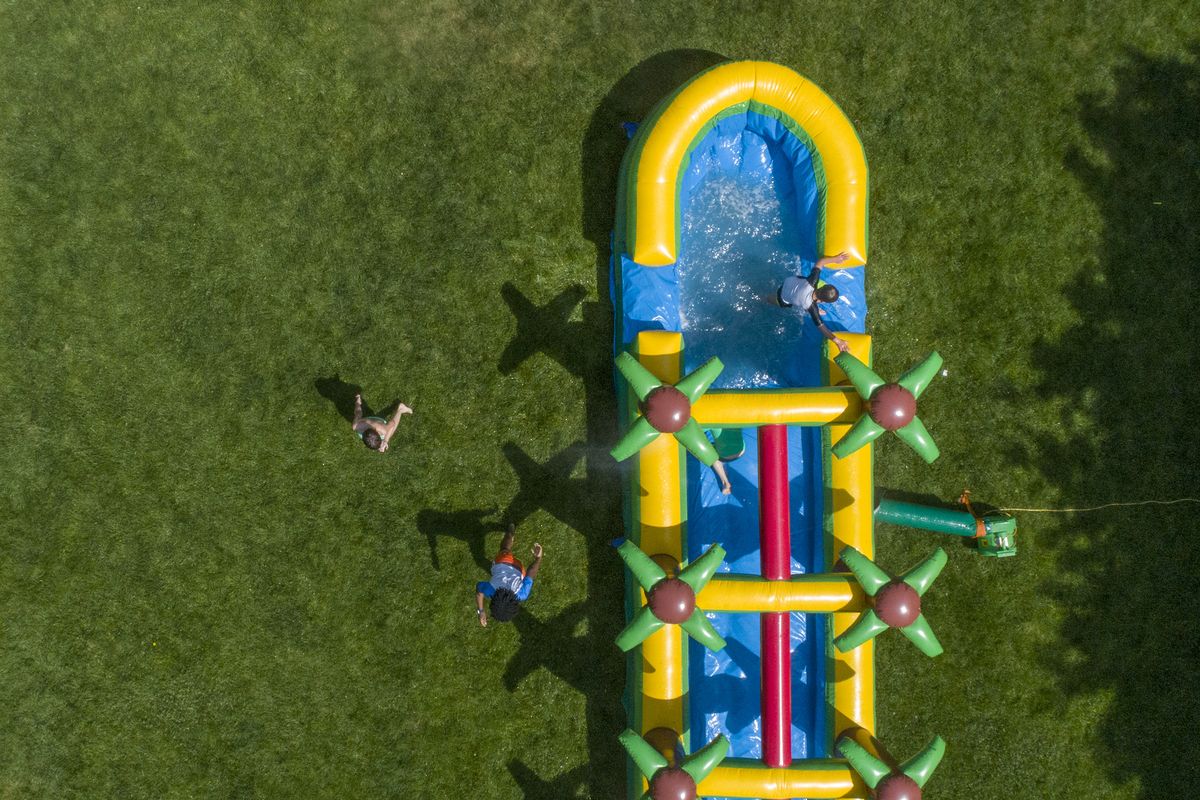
column 663, row 153
column 852, row 500
column 814, row 779
column 661, row 532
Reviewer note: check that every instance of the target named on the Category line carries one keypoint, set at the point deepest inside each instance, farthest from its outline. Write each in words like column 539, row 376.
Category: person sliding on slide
column 804, row 295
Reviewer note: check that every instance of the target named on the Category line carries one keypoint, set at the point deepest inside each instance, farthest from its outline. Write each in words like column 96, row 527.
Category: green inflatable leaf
column 706, row 759
column 691, row 436
column 698, row 573
column 643, row 624
column 921, row 766
column 864, row 379
column 640, row 434
column 921, row 577
column 868, row 573
column 870, row 767
column 915, row 436
column 697, row 383
column 647, row 759
column 641, row 565
column 640, row 379
column 699, row 628
column 865, row 628
column 920, row 634
column 917, row 379
column 864, row 431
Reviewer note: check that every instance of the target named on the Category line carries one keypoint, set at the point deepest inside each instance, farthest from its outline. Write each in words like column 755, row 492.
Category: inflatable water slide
column 752, row 608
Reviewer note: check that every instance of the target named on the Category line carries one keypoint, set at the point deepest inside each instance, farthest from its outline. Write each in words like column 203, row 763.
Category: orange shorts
column 506, row 557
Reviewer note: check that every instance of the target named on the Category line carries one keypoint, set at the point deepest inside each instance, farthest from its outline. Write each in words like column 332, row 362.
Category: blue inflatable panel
column 650, row 299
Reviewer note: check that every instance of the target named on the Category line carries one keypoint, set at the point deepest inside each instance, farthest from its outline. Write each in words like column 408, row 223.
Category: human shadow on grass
column 567, row 784
column 589, row 505
column 1128, row 578
column 341, row 394
column 468, row 525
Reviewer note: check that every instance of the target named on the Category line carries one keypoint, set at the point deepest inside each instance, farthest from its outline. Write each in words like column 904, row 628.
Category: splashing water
column 740, row 240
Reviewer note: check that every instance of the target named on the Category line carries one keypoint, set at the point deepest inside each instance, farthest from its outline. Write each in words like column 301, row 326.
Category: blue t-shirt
column 506, row 576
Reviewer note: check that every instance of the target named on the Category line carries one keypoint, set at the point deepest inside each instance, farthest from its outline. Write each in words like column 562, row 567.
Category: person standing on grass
column 510, row 583
column 375, row 432
column 804, row 295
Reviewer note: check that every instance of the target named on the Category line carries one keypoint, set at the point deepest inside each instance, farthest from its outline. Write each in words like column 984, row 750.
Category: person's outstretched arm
column 357, row 410
column 479, row 610
column 830, row 260
column 841, row 343
column 537, row 562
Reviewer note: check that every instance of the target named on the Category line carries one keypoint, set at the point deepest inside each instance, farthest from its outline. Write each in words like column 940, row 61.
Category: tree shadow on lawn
column 1127, row 579
column 577, row 645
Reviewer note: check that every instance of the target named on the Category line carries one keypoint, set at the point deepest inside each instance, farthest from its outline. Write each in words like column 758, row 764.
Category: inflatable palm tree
column 667, row 409
column 890, row 406
column 904, row 783
column 673, row 782
column 670, row 601
column 896, row 602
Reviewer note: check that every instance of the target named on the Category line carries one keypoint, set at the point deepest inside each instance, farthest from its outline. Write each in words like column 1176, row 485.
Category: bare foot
column 726, row 488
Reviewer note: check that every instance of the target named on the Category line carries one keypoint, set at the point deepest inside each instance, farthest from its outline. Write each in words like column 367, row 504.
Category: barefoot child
column 510, row 583
column 376, row 431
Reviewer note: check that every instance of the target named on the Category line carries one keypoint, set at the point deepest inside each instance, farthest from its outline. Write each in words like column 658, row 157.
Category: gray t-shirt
column 797, row 292
column 506, row 576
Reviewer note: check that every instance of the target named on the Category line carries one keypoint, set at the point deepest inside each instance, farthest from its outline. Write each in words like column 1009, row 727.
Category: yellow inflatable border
column 661, row 532
column 775, row 90
column 661, row 527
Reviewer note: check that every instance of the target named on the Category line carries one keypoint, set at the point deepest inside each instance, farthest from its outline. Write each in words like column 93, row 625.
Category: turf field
column 219, row 220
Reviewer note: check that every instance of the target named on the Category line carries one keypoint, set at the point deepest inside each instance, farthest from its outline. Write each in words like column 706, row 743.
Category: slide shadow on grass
column 468, row 525
column 591, row 505
column 1128, row 578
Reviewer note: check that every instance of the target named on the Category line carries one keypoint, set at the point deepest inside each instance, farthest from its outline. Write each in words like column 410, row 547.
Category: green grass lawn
column 216, row 223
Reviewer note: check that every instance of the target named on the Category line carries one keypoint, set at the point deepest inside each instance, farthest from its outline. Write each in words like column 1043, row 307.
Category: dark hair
column 505, row 605
column 372, row 439
column 827, row 294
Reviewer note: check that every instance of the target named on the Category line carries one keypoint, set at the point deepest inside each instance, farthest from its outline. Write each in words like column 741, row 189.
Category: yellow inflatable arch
column 661, row 152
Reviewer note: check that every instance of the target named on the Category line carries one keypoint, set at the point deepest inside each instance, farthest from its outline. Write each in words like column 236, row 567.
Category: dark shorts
column 779, row 295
